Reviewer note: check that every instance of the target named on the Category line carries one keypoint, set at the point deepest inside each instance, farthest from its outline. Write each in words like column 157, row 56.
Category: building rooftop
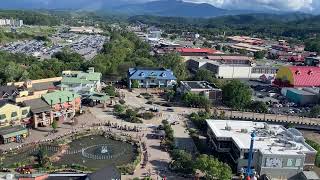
column 59, row 97
column 270, row 139
column 44, row 85
column 4, row 102
column 37, row 105
column 155, row 73
column 8, row 90
column 198, row 85
column 198, row 50
column 229, row 58
column 90, row 75
column 305, row 75
column 301, row 92
column 12, row 131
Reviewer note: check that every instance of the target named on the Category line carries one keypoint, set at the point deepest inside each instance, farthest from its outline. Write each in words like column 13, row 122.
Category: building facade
column 11, row 114
column 277, row 152
column 83, row 83
column 64, row 104
column 201, row 87
column 151, row 77
column 298, row 76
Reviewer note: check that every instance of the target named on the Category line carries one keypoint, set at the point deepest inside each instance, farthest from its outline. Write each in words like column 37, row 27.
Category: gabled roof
column 9, row 90
column 59, row 97
column 145, row 73
column 305, row 75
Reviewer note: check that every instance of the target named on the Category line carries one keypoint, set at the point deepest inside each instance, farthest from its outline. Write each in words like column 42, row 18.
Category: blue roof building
column 151, row 77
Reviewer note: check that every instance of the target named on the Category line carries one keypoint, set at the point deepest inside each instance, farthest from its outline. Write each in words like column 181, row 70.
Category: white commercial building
column 278, row 152
column 11, row 22
column 83, row 29
column 232, row 71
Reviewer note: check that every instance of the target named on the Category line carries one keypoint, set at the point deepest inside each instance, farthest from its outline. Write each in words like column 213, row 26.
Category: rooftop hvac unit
column 9, row 176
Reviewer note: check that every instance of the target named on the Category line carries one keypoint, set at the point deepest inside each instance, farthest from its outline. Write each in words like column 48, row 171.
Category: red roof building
column 197, row 51
column 298, row 76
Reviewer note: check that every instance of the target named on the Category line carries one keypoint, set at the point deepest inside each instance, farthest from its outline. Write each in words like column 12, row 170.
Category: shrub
column 121, row 101
column 118, row 108
column 110, row 90
column 146, row 115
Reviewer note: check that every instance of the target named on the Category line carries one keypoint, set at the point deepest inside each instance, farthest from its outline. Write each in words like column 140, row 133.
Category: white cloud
column 280, row 5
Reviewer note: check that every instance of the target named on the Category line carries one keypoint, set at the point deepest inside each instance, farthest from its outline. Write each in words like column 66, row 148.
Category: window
column 14, row 114
column 2, row 116
column 24, row 112
column 298, row 162
column 290, row 163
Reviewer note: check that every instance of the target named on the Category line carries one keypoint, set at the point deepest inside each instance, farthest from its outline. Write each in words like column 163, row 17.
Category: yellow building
column 11, row 114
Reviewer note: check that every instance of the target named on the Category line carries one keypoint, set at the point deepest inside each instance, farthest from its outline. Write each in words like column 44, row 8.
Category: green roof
column 59, row 97
column 91, row 76
column 7, row 132
column 74, row 80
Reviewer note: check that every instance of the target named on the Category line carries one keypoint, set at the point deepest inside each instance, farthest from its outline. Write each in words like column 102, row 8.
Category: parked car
column 175, row 123
column 170, row 110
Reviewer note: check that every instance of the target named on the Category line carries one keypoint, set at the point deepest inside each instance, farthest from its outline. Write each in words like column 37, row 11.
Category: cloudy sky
column 281, row 5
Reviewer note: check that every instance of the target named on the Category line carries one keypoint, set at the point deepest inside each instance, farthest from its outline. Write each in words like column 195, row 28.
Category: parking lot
column 277, row 103
column 86, row 45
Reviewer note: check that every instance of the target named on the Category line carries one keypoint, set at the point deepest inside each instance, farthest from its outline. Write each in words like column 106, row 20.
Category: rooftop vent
column 244, row 130
column 228, row 128
column 298, row 72
column 310, row 72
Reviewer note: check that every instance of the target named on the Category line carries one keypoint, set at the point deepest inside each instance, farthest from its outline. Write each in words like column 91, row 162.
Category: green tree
column 174, row 62
column 135, row 84
column 199, row 119
column 195, row 100
column 182, row 161
column 212, row 168
column 110, row 90
column 242, row 51
column 259, row 54
column 313, row 45
column 206, row 44
column 54, row 125
column 118, row 108
column 164, row 35
column 235, row 94
column 224, row 48
column 204, row 75
column 259, row 106
column 315, row 111
column 218, row 47
column 173, row 37
column 42, row 158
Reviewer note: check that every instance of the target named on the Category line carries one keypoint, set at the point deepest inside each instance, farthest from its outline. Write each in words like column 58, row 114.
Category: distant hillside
column 174, row 8
column 295, row 25
column 242, row 19
column 159, row 8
